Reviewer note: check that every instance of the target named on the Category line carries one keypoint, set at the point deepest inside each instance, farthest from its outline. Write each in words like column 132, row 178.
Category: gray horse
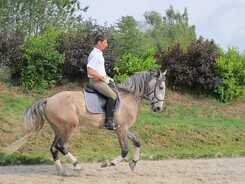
column 66, row 110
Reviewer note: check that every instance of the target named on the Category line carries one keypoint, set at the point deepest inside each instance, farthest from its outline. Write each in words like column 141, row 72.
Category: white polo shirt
column 96, row 61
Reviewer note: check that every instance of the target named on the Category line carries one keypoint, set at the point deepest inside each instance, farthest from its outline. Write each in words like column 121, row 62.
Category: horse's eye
column 160, row 87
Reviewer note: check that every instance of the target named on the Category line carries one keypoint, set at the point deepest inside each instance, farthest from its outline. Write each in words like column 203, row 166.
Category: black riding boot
column 109, row 120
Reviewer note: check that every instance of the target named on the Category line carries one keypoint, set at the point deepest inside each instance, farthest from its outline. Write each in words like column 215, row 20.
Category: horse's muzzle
column 157, row 109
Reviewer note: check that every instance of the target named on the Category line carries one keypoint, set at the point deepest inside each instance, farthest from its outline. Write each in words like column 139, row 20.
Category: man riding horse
column 99, row 80
column 66, row 110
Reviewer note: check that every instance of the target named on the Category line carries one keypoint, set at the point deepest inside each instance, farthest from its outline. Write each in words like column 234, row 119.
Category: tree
column 170, row 29
column 33, row 16
column 29, row 17
column 126, row 38
column 155, row 31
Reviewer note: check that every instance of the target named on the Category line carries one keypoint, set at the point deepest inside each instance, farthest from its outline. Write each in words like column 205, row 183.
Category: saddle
column 96, row 102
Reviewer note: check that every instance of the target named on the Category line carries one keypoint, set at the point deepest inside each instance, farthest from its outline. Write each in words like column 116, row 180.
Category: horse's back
column 62, row 107
column 69, row 107
column 66, row 100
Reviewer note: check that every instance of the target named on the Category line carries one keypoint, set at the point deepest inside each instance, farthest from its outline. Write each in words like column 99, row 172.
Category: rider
column 99, row 80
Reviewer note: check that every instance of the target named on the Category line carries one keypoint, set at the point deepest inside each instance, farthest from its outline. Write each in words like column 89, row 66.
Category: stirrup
column 111, row 125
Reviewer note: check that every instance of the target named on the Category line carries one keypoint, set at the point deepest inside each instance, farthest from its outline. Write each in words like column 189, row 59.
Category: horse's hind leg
column 54, row 151
column 59, row 145
column 56, row 159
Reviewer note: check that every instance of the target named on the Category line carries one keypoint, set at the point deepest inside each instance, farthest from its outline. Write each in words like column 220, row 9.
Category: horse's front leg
column 136, row 143
column 122, row 138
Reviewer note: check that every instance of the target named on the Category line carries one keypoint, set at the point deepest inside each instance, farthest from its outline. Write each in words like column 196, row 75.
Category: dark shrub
column 193, row 70
column 10, row 52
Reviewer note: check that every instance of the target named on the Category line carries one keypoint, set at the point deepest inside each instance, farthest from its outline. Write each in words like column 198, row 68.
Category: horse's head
column 156, row 90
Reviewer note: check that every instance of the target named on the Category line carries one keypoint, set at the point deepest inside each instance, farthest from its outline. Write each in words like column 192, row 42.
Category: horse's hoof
column 64, row 174
column 112, row 163
column 132, row 165
column 77, row 168
column 105, row 164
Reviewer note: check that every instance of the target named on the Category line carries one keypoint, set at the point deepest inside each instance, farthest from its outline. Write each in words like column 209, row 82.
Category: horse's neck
column 138, row 91
column 125, row 94
column 129, row 107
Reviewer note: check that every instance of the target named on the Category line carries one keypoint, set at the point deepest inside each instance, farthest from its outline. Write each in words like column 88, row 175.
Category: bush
column 128, row 64
column 231, row 66
column 4, row 74
column 76, row 47
column 192, row 70
column 201, row 63
column 42, row 61
column 10, row 54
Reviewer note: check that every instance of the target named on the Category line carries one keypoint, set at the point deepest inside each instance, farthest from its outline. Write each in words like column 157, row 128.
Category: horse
column 66, row 110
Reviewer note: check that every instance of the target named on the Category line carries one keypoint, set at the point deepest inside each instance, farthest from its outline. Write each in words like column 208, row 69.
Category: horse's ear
column 159, row 73
column 165, row 72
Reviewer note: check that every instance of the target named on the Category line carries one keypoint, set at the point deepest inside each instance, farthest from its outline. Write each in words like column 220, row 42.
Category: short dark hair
column 99, row 37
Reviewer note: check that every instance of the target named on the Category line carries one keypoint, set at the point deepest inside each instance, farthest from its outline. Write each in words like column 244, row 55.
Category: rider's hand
column 110, row 79
column 106, row 80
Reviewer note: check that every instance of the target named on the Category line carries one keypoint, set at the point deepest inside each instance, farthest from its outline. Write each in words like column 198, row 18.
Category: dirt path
column 225, row 170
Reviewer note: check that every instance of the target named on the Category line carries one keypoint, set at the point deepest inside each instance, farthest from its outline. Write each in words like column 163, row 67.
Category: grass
column 186, row 128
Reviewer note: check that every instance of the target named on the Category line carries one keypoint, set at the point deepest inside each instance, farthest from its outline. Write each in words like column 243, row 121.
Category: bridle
column 155, row 97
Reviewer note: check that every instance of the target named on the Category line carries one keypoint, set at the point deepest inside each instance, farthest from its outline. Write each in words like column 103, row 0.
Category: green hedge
column 128, row 64
column 231, row 67
column 42, row 61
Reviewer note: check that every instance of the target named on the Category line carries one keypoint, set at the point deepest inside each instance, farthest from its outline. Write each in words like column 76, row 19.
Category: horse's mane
column 136, row 84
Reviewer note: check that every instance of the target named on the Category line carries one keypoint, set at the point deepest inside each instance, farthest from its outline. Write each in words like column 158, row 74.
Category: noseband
column 155, row 97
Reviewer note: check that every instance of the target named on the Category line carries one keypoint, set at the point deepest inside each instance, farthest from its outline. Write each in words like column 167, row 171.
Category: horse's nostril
column 157, row 109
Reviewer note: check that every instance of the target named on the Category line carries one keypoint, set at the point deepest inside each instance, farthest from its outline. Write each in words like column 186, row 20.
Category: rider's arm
column 94, row 74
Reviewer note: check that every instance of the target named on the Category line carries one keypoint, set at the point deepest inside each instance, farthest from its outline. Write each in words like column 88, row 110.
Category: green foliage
column 40, row 64
column 128, row 64
column 231, row 66
column 171, row 29
column 36, row 16
column 43, row 61
column 126, row 38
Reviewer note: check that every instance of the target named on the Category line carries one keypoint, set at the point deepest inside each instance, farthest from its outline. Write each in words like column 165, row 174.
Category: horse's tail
column 33, row 121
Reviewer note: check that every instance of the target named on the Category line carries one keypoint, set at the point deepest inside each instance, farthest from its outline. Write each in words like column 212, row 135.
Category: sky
column 220, row 20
